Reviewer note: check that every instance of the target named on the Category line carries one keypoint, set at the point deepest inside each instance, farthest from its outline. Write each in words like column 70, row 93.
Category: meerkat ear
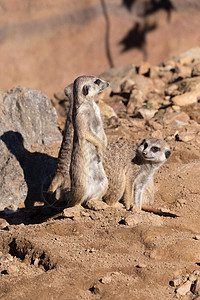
column 167, row 154
column 85, row 90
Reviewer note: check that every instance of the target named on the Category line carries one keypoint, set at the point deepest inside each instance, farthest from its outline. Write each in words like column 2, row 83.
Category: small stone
column 185, row 60
column 157, row 134
column 192, row 277
column 196, row 287
column 185, row 137
column 186, row 98
column 144, row 68
column 176, row 118
column 105, row 280
column 141, row 266
column 146, row 113
column 133, row 219
column 96, row 205
column 196, row 70
column 72, row 212
column 3, row 223
column 176, row 281
column 106, row 110
column 12, row 270
column 184, row 289
column 171, row 89
column 127, row 85
column 11, row 209
column 176, row 108
column 36, row 262
column 197, row 237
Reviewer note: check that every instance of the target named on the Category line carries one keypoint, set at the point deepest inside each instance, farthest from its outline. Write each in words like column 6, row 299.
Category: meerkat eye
column 155, row 149
column 97, row 81
column 143, row 142
column 167, row 154
column 145, row 146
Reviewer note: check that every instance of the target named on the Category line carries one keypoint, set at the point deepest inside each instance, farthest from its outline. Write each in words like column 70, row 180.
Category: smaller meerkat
column 61, row 181
column 133, row 169
column 88, row 178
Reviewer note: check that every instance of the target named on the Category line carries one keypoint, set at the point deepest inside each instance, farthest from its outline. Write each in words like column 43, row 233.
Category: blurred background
column 45, row 44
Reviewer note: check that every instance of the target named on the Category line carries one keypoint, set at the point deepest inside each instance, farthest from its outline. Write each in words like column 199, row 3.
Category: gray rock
column 27, row 123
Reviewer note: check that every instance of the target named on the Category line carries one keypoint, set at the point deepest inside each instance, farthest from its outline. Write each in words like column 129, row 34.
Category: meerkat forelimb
column 88, row 178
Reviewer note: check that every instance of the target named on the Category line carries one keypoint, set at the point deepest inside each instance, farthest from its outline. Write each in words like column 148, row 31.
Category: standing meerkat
column 61, row 182
column 129, row 170
column 88, row 178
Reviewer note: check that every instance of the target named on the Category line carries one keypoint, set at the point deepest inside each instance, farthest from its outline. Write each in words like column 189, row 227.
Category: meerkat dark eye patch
column 145, row 146
column 167, row 154
column 85, row 90
column 155, row 149
column 98, row 81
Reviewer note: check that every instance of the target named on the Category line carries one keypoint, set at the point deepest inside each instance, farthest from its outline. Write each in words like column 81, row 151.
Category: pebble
column 105, row 280
column 96, row 205
column 186, row 98
column 3, row 223
column 196, row 287
column 184, row 289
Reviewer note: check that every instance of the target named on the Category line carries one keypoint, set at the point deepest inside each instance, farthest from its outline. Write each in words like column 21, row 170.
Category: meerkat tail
column 158, row 212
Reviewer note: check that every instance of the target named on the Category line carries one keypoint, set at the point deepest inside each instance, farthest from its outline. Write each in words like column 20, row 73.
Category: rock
column 196, row 70
column 72, row 212
column 12, row 270
column 157, row 134
column 144, row 84
column 146, row 113
column 105, row 280
column 96, row 205
column 3, row 223
column 196, row 287
column 144, row 68
column 172, row 90
column 127, row 85
column 133, row 219
column 11, row 209
column 141, row 266
column 183, row 70
column 197, row 237
column 185, row 137
column 136, row 100
column 186, row 98
column 27, row 123
column 175, row 118
column 185, row 60
column 176, row 281
column 184, row 288
column 107, row 111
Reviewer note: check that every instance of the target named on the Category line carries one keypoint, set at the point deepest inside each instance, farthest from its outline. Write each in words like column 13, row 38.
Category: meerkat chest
column 143, row 176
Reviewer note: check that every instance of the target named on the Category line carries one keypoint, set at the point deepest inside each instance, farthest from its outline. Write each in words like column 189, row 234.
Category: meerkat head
column 69, row 91
column 89, row 86
column 154, row 150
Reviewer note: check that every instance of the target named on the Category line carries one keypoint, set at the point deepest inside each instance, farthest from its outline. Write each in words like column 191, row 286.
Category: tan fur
column 133, row 170
column 88, row 178
column 61, row 182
